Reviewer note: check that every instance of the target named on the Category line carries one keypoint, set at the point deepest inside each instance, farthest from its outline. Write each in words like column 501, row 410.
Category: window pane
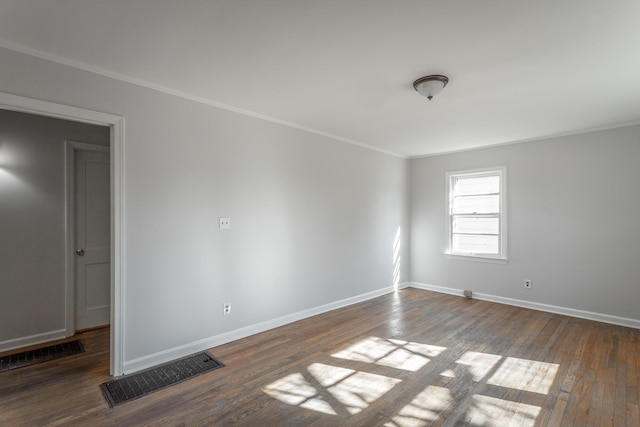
column 477, row 244
column 479, row 185
column 476, row 204
column 476, row 225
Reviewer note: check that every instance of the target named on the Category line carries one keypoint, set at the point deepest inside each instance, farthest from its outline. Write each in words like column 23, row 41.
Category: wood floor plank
column 409, row 358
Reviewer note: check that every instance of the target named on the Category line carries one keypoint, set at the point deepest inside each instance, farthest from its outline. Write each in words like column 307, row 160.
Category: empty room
column 329, row 213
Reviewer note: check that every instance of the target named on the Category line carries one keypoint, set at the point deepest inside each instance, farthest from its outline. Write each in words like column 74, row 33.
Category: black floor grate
column 134, row 386
column 31, row 357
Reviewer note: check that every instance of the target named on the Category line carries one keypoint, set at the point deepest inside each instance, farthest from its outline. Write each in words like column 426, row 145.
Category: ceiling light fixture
column 430, row 86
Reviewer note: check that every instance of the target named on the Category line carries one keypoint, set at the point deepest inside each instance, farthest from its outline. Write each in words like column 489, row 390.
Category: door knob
column 80, row 252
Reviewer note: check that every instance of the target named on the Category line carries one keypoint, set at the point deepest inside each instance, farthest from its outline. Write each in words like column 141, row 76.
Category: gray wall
column 313, row 219
column 573, row 226
column 32, row 222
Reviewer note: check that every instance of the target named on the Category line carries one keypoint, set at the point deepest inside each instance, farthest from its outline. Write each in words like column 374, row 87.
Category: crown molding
column 534, row 139
column 174, row 92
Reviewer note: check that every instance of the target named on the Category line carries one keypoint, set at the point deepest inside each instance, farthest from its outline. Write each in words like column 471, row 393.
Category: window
column 477, row 213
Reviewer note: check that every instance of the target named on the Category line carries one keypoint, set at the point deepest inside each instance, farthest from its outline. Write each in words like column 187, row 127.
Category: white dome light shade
column 430, row 86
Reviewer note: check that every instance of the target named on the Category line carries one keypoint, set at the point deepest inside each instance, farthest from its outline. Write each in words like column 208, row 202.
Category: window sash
column 483, row 204
column 476, row 184
column 476, row 224
column 476, row 244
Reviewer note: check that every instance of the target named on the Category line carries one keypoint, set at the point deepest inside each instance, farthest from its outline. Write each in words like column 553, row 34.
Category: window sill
column 476, row 258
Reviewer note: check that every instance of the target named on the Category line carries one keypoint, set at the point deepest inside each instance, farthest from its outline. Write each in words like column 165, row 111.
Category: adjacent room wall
column 32, row 223
column 573, row 225
column 314, row 220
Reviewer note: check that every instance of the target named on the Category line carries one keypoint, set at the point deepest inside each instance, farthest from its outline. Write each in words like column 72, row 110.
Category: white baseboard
column 582, row 314
column 206, row 343
column 32, row 340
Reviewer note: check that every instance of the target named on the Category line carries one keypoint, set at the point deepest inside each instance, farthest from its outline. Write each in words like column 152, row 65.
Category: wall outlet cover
column 224, row 223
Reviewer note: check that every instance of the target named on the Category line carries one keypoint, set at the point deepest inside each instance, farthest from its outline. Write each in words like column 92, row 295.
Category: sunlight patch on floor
column 405, row 355
column 342, row 391
column 354, row 390
column 328, row 375
column 478, row 364
column 295, row 390
column 527, row 375
column 424, row 409
column 491, row 412
column 362, row 389
column 448, row 373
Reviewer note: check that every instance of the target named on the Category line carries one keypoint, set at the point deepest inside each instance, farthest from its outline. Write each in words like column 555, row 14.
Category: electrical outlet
column 528, row 283
column 225, row 223
column 226, row 308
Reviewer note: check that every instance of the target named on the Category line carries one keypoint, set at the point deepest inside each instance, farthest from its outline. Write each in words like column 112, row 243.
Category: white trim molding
column 582, row 314
column 195, row 98
column 226, row 337
column 554, row 135
column 32, row 340
column 116, row 124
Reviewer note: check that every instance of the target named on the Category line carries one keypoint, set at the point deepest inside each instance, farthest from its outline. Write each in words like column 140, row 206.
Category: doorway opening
column 116, row 130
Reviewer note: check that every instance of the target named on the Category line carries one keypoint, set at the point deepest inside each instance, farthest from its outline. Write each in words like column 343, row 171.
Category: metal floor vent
column 134, row 386
column 31, row 357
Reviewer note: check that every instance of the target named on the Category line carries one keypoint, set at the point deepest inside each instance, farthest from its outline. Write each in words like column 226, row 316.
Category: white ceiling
column 518, row 70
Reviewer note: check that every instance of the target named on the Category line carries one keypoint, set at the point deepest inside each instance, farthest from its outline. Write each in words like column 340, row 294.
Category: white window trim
column 501, row 258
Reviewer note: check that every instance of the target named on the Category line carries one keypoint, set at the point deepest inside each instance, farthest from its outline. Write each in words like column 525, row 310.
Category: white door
column 92, row 232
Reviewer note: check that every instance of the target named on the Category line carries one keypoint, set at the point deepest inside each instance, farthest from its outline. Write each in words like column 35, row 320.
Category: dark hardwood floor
column 407, row 359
